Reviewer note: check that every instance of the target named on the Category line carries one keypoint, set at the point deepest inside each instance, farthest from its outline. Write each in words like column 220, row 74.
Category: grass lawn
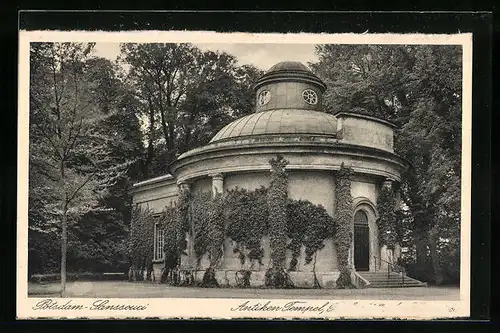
column 124, row 289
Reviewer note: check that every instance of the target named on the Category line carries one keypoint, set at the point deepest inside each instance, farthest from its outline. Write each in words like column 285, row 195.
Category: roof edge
column 366, row 117
column 290, row 76
column 152, row 181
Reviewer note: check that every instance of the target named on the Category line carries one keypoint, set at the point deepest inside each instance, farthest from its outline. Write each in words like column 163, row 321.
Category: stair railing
column 391, row 268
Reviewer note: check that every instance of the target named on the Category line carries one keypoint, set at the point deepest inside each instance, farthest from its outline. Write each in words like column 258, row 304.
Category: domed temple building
column 289, row 121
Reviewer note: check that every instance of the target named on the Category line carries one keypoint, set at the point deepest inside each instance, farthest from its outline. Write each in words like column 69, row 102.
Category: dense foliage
column 386, row 221
column 246, row 220
column 79, row 156
column 216, row 230
column 308, row 225
column 172, row 240
column 344, row 221
column 243, row 217
column 184, row 96
column 141, row 244
column 105, row 125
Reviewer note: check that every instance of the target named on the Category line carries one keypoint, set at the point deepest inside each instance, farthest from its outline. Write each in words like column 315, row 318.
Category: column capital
column 388, row 182
column 217, row 183
column 217, row 176
column 183, row 185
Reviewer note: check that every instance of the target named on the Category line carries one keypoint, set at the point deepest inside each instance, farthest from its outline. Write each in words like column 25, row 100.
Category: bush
column 141, row 241
column 243, row 278
column 277, row 277
column 209, row 279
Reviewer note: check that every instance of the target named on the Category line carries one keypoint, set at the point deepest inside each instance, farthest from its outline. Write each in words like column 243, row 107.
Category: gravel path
column 123, row 289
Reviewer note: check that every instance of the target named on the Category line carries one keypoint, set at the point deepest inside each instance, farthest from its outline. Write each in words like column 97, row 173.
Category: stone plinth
column 227, row 278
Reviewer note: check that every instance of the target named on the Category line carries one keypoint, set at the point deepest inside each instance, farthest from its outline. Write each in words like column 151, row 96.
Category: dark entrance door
column 361, row 242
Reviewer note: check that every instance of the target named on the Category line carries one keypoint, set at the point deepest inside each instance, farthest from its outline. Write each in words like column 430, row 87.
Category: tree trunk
column 64, row 229
column 64, row 249
column 171, row 134
column 150, row 148
column 420, row 222
column 433, row 240
column 420, row 247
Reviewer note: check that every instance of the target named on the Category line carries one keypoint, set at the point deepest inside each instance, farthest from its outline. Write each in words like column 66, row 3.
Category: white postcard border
column 221, row 308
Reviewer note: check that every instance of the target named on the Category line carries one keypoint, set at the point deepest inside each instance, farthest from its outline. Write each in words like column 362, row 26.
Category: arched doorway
column 361, row 241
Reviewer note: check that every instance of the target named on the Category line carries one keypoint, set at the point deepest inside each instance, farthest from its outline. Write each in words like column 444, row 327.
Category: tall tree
column 186, row 95
column 70, row 156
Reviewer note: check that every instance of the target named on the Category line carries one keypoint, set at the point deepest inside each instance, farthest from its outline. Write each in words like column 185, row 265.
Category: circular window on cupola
column 264, row 97
column 310, row 96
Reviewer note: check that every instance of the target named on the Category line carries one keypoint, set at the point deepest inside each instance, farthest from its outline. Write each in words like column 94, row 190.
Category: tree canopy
column 98, row 126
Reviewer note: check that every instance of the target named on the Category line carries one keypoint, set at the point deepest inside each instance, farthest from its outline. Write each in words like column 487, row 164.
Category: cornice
column 152, row 183
column 290, row 76
column 343, row 114
column 328, row 147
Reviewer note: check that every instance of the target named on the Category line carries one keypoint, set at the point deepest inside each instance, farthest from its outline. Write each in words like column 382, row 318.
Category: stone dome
column 290, row 71
column 289, row 66
column 281, row 121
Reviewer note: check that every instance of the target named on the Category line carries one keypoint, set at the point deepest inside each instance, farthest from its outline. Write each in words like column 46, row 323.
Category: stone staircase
column 393, row 280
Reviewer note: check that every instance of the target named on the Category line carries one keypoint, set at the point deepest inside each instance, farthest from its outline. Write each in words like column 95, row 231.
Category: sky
column 262, row 56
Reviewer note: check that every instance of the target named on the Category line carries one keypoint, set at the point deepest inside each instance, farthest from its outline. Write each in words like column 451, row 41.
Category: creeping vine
column 246, row 222
column 387, row 217
column 140, row 246
column 277, row 198
column 344, row 218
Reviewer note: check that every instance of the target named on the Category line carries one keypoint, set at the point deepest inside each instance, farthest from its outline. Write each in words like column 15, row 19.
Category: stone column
column 217, row 183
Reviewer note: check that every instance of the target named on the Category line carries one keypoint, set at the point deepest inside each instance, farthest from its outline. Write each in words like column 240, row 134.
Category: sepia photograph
column 244, row 175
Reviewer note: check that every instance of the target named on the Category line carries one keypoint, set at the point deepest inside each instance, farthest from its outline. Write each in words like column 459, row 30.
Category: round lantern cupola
column 289, row 85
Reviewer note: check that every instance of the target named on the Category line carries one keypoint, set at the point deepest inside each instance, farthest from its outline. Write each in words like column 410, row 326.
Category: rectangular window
column 158, row 242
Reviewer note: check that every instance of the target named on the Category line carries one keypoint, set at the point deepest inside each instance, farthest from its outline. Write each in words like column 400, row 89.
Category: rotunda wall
column 288, row 95
column 201, row 185
column 317, row 187
column 364, row 188
column 157, row 197
column 358, row 130
column 246, row 180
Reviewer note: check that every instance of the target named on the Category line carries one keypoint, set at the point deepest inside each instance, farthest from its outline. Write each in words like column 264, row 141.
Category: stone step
column 396, row 282
column 393, row 280
column 386, row 279
column 396, row 286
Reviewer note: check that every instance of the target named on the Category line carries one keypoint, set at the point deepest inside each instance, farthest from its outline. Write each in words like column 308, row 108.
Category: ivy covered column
column 184, row 216
column 386, row 205
column 277, row 199
column 345, row 224
column 215, row 231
